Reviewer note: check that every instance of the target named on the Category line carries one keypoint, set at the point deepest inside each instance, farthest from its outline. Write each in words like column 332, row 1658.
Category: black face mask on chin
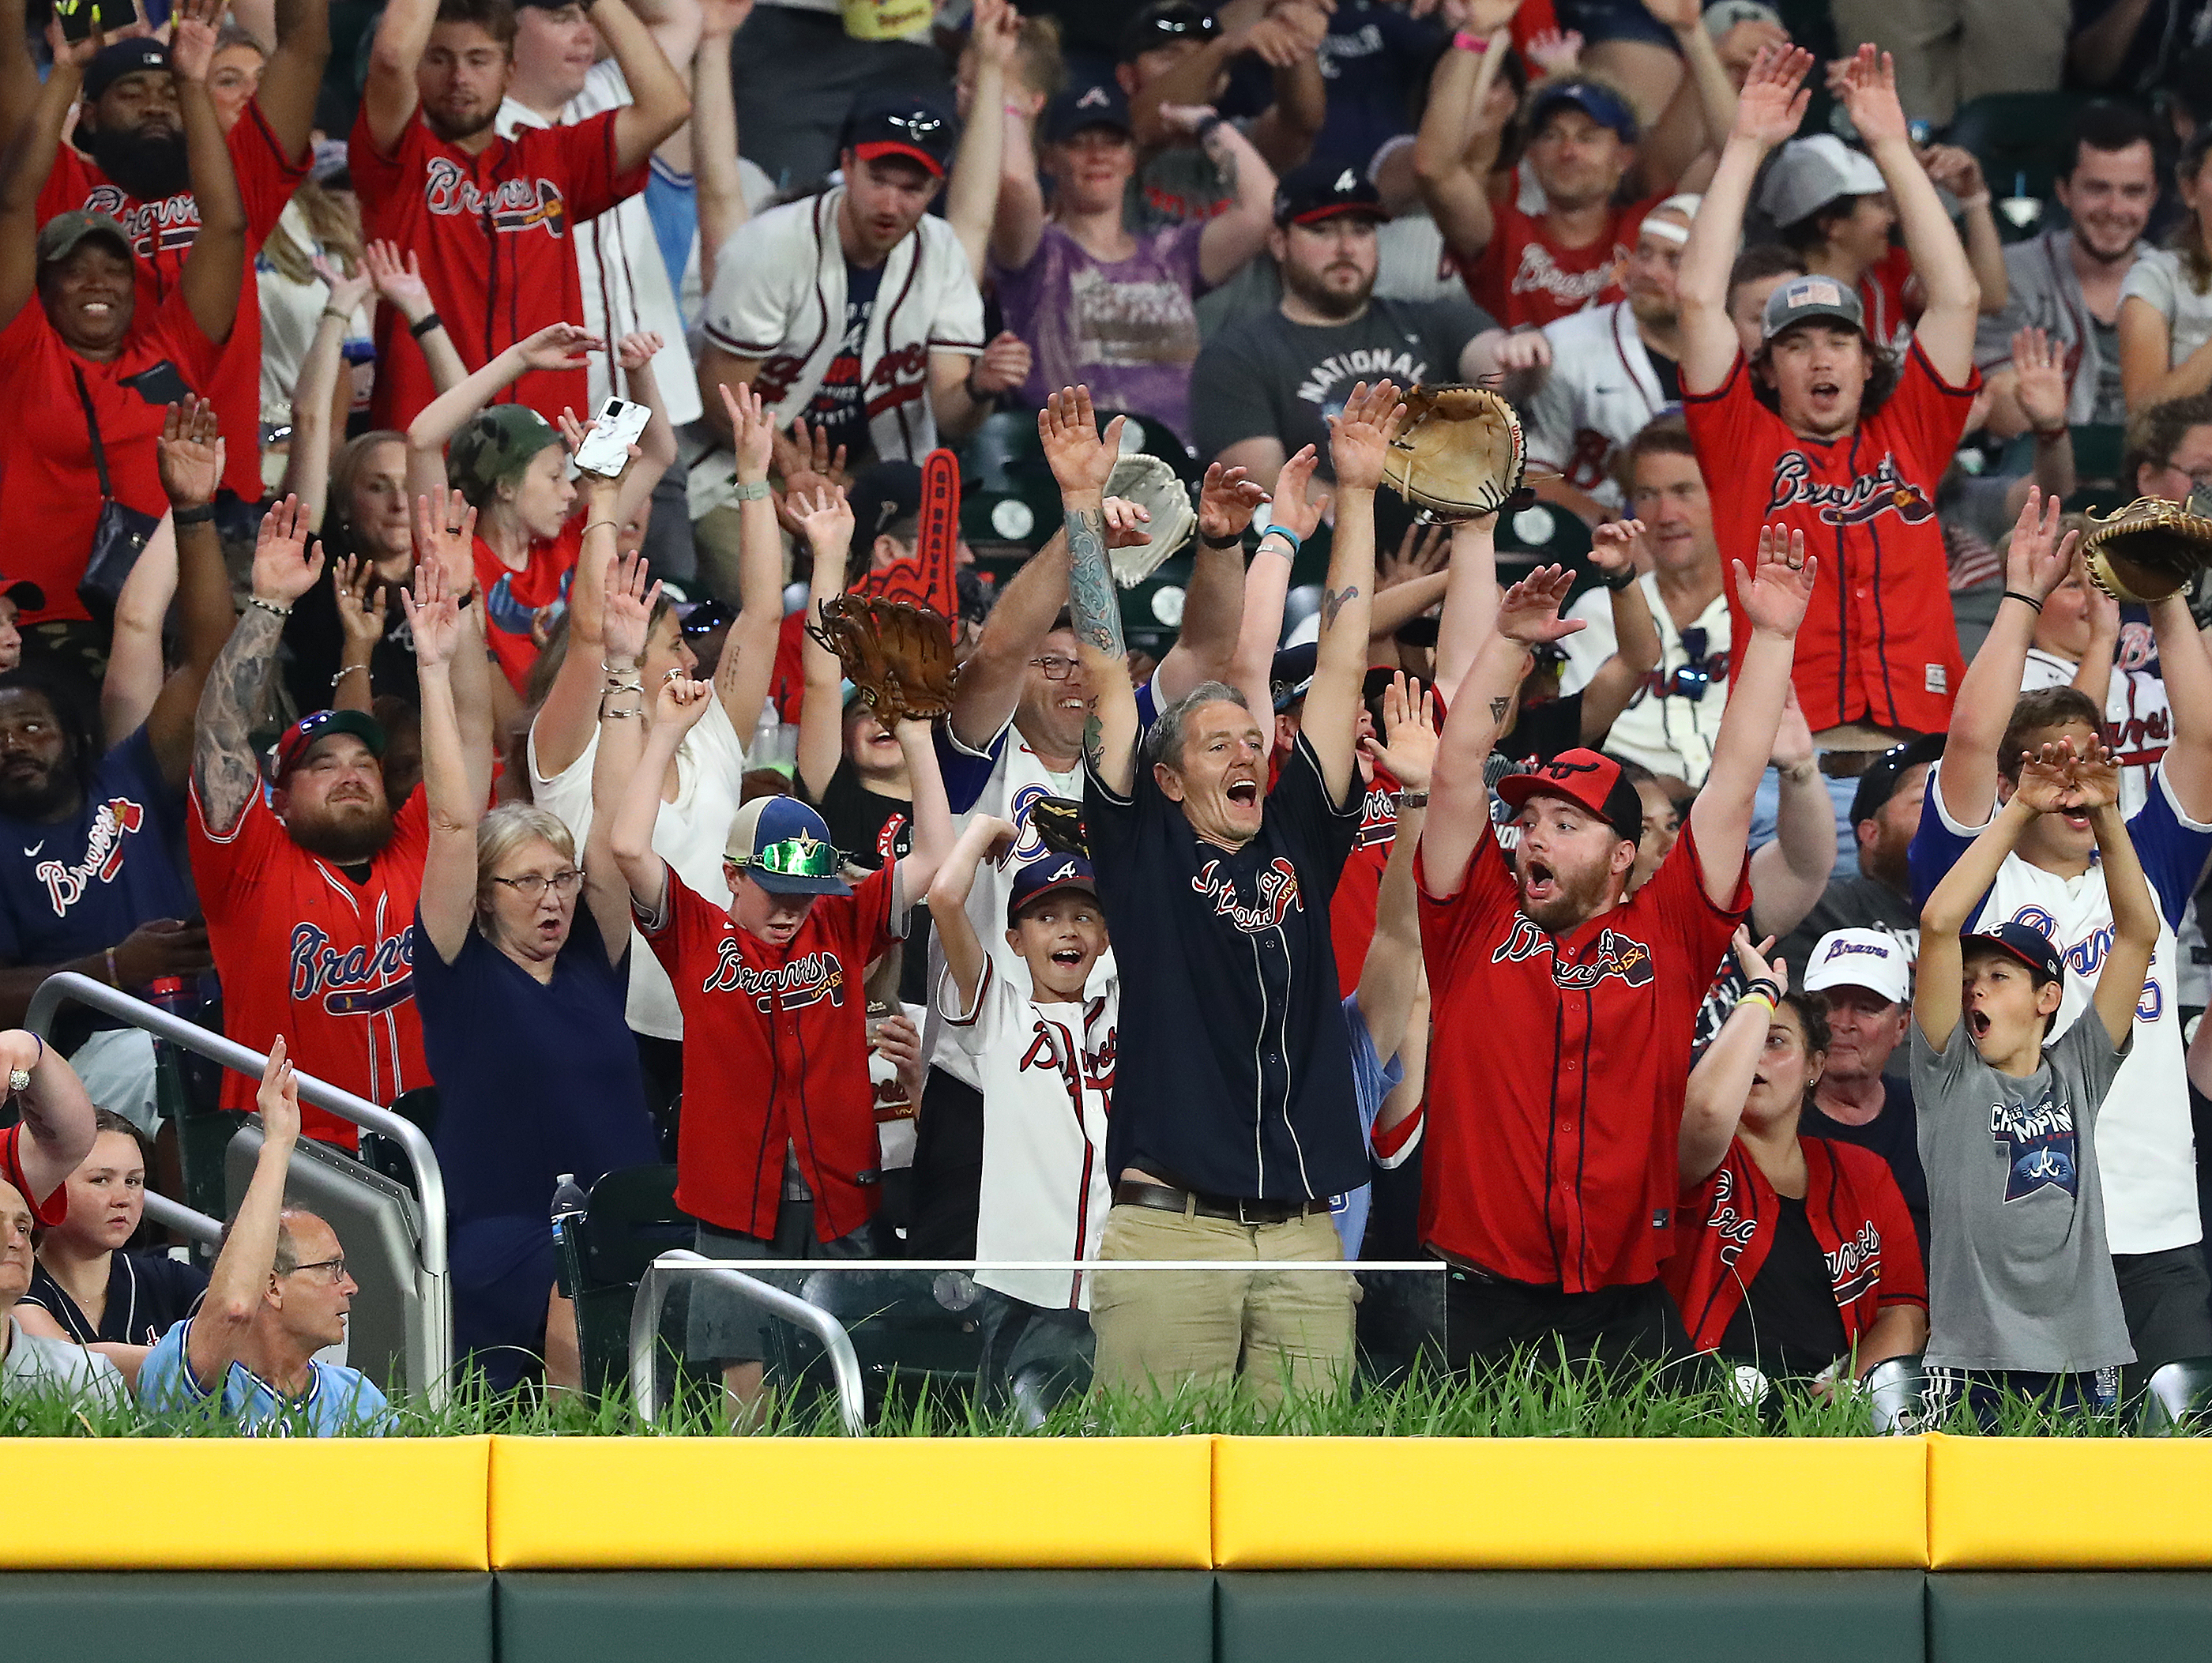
column 150, row 165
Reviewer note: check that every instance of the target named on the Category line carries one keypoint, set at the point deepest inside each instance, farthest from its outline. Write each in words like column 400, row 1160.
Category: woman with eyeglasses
column 521, row 991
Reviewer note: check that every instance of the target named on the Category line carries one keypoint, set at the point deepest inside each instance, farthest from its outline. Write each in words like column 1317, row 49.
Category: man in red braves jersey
column 309, row 880
column 126, row 160
column 490, row 215
column 1823, row 431
column 1562, row 1012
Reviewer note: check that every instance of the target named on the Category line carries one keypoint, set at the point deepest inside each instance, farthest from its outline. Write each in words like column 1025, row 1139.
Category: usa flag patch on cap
column 1816, row 291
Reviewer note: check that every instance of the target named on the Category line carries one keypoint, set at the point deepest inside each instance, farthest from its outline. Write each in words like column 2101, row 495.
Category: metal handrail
column 660, row 1280
column 176, row 1216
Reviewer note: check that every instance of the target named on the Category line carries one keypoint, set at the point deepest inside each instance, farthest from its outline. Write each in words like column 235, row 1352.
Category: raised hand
column 1226, row 499
column 1359, row 440
column 826, row 520
column 1127, row 524
column 1775, row 596
column 1184, row 119
column 1739, row 48
column 1529, row 612
column 1004, row 366
column 433, row 615
column 361, row 600
column 1774, row 96
column 1674, row 14
column 347, row 292
column 2047, row 784
column 278, row 1100
column 1289, row 507
column 1555, row 51
column 1081, row 459
column 2039, row 379
column 193, row 29
column 1616, row 545
column 1869, row 94
column 630, row 596
column 2096, row 776
column 1793, row 735
column 1422, row 552
column 446, row 532
column 559, row 346
column 1956, row 169
column 723, row 17
column 1754, row 962
column 1518, row 349
column 1407, row 748
column 637, row 349
column 284, row 568
column 682, row 702
column 399, row 279
column 995, row 29
column 190, row 453
column 2037, row 559
column 804, row 460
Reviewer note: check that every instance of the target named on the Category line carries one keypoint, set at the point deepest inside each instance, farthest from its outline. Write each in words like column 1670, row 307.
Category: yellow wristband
column 1757, row 998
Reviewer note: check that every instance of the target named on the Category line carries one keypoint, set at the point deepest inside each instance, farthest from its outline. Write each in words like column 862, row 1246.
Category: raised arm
column 19, row 75
column 1702, row 111
column 713, row 131
column 1952, row 905
column 2149, row 374
column 2038, row 388
column 659, row 101
column 2186, row 664
column 1082, row 463
column 226, row 772
column 1959, row 170
column 1772, row 600
column 294, row 75
column 985, row 837
column 747, row 660
column 389, row 96
column 626, row 599
column 28, row 163
column 655, row 451
column 566, row 720
column 1268, row 582
column 215, row 269
column 316, row 416
column 633, row 805
column 1789, row 874
column 361, row 599
column 191, row 460
column 1017, row 213
column 1712, row 1105
column 1358, row 443
column 449, row 869
column 932, row 814
column 1455, row 147
column 2096, row 780
column 1768, row 113
column 1946, row 326
column 1637, row 649
column 1239, row 231
column 1392, row 974
column 1470, row 602
column 57, row 1114
column 240, row 1281
column 990, row 685
column 827, row 520
column 445, row 531
column 556, row 347
column 972, row 187
column 1213, row 601
column 135, row 666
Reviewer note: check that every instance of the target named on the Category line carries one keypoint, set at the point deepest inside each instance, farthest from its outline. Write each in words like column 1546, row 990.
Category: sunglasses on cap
column 795, row 857
column 1692, row 680
column 1171, row 23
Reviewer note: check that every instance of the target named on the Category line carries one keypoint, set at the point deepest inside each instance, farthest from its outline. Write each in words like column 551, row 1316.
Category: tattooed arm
column 1081, row 461
column 1359, row 440
column 225, row 771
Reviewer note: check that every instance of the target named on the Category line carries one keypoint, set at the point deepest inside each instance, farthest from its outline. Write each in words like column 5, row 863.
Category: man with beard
column 1264, row 388
column 310, row 881
column 126, row 160
column 90, row 877
column 489, row 215
column 1562, row 1012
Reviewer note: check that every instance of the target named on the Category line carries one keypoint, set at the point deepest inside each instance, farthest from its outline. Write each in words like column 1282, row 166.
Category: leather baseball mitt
column 1459, row 454
column 2150, row 549
column 898, row 655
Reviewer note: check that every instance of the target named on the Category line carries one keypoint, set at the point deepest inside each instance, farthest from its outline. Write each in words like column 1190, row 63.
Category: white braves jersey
column 2145, row 1148
column 1048, row 1083
column 2139, row 720
column 1662, row 728
column 1013, row 778
column 1599, row 392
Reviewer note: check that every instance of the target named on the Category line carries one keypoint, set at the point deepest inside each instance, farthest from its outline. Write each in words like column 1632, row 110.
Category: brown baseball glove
column 898, row 655
column 2150, row 549
column 1459, row 454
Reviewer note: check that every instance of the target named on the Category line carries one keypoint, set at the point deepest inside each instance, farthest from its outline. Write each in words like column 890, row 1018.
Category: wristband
column 270, row 606
column 1765, row 988
column 1236, row 542
column 2029, row 600
column 1756, row 997
column 332, row 311
column 1412, row 799
column 430, row 320
column 1464, row 42
column 112, row 979
column 1967, row 204
column 1297, row 543
column 1205, row 129
column 750, row 490
column 1619, row 582
column 197, row 516
column 348, row 670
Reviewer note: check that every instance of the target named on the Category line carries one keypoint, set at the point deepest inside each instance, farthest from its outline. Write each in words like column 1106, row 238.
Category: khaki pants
column 1161, row 1330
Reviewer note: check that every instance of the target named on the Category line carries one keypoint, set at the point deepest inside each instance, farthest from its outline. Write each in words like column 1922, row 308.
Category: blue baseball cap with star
column 784, row 847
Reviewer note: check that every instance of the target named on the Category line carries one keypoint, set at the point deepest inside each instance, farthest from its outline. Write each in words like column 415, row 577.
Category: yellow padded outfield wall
column 2091, row 1503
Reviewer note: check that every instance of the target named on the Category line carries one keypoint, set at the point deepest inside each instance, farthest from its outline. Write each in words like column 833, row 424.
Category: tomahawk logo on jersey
column 113, row 821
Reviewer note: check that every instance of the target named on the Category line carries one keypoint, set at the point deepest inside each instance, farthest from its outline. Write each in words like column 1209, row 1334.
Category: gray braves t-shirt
column 2018, row 1276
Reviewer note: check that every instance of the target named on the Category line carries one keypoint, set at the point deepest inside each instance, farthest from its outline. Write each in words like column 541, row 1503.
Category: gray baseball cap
column 1807, row 299
column 1807, row 174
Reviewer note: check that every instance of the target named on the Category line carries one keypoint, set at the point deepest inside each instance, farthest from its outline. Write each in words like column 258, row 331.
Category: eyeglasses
column 1057, row 666
column 796, row 856
column 1692, row 680
column 334, row 1269
column 532, row 885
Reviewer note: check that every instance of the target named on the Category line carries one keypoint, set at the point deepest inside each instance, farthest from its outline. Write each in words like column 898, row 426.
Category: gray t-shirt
column 2018, row 1276
column 2161, row 278
column 58, row 1369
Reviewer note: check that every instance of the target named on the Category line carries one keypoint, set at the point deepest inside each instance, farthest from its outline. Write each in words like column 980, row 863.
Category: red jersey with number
column 513, row 600
column 1725, row 1226
column 1878, row 644
column 1526, row 278
column 1557, row 1068
column 307, row 951
column 48, row 1209
column 492, row 229
column 161, row 234
column 775, row 1057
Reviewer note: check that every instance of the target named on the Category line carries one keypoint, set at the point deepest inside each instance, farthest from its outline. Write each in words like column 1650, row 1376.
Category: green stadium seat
column 2021, row 140
column 630, row 1219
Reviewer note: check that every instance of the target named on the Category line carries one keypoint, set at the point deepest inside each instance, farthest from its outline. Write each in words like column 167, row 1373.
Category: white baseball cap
column 1860, row 958
column 1807, row 174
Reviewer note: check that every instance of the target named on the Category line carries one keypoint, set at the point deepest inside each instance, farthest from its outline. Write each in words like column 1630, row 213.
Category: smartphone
column 79, row 17
column 606, row 449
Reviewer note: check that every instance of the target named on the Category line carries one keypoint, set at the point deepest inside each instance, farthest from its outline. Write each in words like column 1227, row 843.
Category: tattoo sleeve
column 1090, row 594
column 224, row 767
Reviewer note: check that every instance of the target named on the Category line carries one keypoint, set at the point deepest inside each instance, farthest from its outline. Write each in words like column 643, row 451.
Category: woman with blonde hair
column 521, row 992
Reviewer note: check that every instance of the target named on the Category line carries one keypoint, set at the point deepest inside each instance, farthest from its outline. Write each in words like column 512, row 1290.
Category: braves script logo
column 803, row 982
column 1616, row 955
column 1379, row 820
column 113, row 821
column 1093, row 1071
column 514, row 204
column 1539, row 273
column 1278, row 895
column 1866, row 497
column 356, row 980
column 1736, row 1230
column 1845, row 949
column 2086, row 956
column 1854, row 1267
column 164, row 226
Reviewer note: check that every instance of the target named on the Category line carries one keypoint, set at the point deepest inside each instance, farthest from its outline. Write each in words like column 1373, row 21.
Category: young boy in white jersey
column 1044, row 1055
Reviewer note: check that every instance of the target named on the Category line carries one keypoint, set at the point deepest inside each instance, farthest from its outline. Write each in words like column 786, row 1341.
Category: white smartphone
column 606, row 449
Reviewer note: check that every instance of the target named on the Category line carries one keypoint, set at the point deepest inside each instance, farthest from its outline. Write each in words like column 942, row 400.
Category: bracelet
column 595, row 524
column 114, row 980
column 1617, row 582
column 286, row 611
column 1297, row 543
column 2050, row 435
column 1980, row 201
column 1412, row 799
column 1236, row 542
column 430, row 320
column 1756, row 997
column 1765, row 988
column 197, row 516
column 332, row 311
column 1465, row 42
column 1205, row 129
column 751, row 490
column 346, row 671
column 2029, row 600
column 606, row 715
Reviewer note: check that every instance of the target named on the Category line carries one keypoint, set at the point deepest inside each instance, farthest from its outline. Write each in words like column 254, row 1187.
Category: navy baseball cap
column 1879, row 783
column 1049, row 876
column 1308, row 195
column 1593, row 97
column 784, row 847
column 27, row 595
column 302, row 735
column 2031, row 947
column 1079, row 109
column 1586, row 779
column 703, row 617
column 901, row 125
column 1814, row 299
column 1292, row 673
column 118, row 58
column 882, row 495
column 1163, row 23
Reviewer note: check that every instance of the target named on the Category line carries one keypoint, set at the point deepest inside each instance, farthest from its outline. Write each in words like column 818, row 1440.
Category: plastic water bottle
column 568, row 1207
column 761, row 753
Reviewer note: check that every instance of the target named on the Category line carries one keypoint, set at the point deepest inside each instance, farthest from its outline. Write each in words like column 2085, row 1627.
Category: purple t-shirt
column 1125, row 328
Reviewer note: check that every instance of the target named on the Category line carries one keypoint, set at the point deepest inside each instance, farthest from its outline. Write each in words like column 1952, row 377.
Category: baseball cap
column 27, row 595
column 1292, row 673
column 1724, row 15
column 59, row 236
column 1807, row 174
column 784, row 847
column 1871, row 959
column 1047, row 876
column 331, row 161
column 1809, row 299
column 291, row 749
column 1593, row 97
column 1879, row 781
column 703, row 617
column 1163, row 23
column 2031, row 947
column 1586, row 778
column 1076, row 109
column 901, row 125
column 882, row 494
column 1316, row 192
column 495, row 443
column 120, row 58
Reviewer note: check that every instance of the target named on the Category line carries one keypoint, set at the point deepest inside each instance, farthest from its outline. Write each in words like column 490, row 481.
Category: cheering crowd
column 1737, row 903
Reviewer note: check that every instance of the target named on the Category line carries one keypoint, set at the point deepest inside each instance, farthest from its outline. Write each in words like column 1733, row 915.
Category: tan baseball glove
column 1459, row 454
column 2150, row 549
column 898, row 655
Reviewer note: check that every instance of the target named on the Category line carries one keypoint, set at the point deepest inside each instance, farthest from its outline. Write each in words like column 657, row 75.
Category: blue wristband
column 1296, row 543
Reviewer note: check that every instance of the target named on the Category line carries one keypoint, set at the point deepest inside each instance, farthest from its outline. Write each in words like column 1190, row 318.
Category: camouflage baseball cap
column 59, row 236
column 498, row 443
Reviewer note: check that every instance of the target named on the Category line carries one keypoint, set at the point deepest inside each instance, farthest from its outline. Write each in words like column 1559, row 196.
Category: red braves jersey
column 1724, row 1226
column 775, row 1054
column 345, row 1001
column 1556, row 1072
column 1523, row 277
column 49, row 1208
column 492, row 229
column 1359, row 886
column 1879, row 643
column 161, row 234
column 513, row 599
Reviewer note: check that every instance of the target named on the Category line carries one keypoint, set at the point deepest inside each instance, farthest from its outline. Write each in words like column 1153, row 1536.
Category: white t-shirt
column 2158, row 278
column 2140, row 720
column 690, row 834
column 63, row 1368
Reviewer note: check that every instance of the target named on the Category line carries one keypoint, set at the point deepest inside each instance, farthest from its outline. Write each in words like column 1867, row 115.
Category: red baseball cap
column 1585, row 778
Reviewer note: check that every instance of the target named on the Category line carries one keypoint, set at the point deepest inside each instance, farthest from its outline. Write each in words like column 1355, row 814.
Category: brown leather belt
column 1847, row 764
column 1166, row 1198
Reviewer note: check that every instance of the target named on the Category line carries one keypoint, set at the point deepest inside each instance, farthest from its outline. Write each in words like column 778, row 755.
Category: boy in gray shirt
column 2020, row 1293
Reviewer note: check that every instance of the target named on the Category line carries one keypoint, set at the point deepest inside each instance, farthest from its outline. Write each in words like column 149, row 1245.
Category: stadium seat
column 2179, row 1396
column 913, row 1330
column 1542, row 534
column 1894, row 1388
column 419, row 1109
column 1010, row 502
column 630, row 1219
column 2020, row 141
